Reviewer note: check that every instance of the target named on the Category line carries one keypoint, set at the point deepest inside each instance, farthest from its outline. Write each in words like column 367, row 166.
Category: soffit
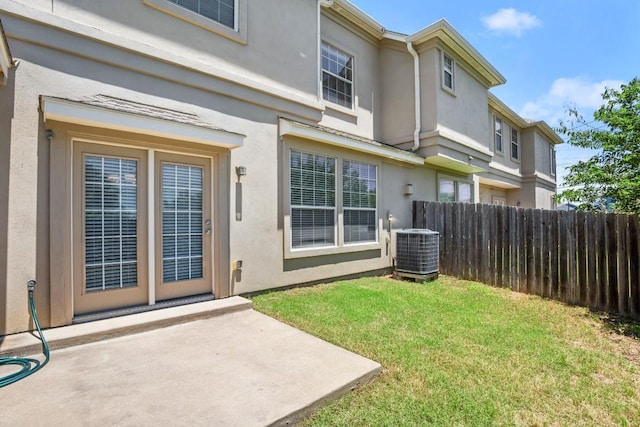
column 119, row 114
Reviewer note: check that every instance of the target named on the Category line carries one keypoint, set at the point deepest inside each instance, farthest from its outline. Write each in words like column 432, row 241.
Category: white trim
column 238, row 33
column 151, row 225
column 88, row 115
column 376, row 149
column 6, row 61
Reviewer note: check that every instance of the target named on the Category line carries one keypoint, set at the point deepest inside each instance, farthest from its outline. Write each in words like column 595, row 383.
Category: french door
column 140, row 235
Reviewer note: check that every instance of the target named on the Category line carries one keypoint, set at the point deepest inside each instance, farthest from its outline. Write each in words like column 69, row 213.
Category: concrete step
column 27, row 343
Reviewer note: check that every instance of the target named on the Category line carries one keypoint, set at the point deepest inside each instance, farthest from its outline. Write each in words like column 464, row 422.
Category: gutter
column 416, row 76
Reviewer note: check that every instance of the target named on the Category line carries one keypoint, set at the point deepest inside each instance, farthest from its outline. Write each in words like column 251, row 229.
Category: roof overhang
column 443, row 161
column 497, row 183
column 314, row 133
column 355, row 15
column 546, row 130
column 443, row 31
column 81, row 113
column 6, row 60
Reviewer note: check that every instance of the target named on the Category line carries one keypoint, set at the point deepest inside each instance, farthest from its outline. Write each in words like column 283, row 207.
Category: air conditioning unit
column 417, row 251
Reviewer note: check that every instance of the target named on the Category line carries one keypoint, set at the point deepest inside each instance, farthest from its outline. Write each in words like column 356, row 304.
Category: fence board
column 590, row 259
column 612, row 263
column 623, row 264
column 581, row 260
column 634, row 266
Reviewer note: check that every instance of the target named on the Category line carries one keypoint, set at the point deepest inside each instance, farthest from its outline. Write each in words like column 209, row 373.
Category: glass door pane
column 182, row 222
column 110, row 205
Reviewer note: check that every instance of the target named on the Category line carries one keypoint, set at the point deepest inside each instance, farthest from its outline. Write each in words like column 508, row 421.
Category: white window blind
column 222, row 11
column 359, row 194
column 110, row 208
column 448, row 71
column 498, row 134
column 313, row 200
column 182, row 222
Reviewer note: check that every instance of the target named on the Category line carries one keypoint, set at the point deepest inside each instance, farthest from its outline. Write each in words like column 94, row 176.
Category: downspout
column 416, row 76
column 321, row 4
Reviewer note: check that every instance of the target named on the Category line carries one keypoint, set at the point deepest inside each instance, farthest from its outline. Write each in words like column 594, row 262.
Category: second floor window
column 498, row 135
column 337, row 76
column 448, row 69
column 222, row 11
column 552, row 159
column 515, row 144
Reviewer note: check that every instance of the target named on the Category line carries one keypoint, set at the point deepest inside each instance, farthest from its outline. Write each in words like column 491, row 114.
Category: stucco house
column 152, row 150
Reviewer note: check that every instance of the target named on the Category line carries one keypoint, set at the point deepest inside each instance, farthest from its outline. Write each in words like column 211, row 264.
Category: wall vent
column 417, row 251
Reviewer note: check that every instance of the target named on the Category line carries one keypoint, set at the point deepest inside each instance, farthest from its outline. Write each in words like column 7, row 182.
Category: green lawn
column 461, row 353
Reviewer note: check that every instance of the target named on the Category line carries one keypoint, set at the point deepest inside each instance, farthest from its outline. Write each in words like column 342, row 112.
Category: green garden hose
column 28, row 365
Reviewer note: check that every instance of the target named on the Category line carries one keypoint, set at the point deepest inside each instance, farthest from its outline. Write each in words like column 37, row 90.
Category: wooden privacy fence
column 581, row 258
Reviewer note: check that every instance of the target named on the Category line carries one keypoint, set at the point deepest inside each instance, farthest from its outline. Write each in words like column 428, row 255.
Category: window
column 552, row 159
column 498, row 135
column 314, row 199
column 515, row 144
column 454, row 190
column 337, row 76
column 359, row 201
column 448, row 72
column 222, row 11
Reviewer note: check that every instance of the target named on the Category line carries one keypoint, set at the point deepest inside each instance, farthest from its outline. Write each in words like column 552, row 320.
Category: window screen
column 448, row 71
column 110, row 235
column 359, row 193
column 515, row 144
column 222, row 11
column 313, row 200
column 498, row 134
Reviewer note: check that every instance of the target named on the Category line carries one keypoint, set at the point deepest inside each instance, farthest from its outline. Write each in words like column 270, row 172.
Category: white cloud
column 579, row 92
column 510, row 21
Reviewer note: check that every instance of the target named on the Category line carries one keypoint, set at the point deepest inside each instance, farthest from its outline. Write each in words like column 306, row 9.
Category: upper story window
column 448, row 72
column 497, row 127
column 226, row 18
column 454, row 190
column 337, row 76
column 515, row 144
column 222, row 11
column 552, row 159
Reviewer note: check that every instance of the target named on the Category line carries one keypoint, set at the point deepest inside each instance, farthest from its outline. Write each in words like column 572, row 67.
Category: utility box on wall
column 417, row 251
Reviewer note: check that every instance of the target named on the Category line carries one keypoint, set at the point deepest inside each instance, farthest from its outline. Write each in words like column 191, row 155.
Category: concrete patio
column 214, row 363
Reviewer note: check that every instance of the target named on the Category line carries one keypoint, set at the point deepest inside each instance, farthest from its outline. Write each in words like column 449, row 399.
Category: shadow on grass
column 621, row 325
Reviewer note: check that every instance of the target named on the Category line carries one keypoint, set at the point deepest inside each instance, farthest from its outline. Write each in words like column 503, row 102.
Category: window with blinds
column 110, row 234
column 359, row 193
column 313, row 200
column 222, row 11
column 182, row 222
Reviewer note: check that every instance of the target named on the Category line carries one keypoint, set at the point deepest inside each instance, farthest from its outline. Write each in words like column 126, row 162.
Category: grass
column 461, row 353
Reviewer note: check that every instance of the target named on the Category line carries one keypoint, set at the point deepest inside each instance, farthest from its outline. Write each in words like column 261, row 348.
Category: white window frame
column 340, row 246
column 451, row 72
column 552, row 159
column 238, row 33
column 456, row 184
column 333, row 104
column 515, row 131
column 498, row 133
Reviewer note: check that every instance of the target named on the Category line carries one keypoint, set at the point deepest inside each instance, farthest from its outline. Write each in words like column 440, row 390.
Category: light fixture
column 241, row 170
column 408, row 189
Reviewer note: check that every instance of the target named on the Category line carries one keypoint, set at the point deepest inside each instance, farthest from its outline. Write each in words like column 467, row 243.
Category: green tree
column 612, row 176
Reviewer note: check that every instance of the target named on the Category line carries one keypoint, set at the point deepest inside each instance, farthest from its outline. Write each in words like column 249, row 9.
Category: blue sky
column 552, row 53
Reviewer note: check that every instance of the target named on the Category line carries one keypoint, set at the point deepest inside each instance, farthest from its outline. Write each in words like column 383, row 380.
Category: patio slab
column 237, row 369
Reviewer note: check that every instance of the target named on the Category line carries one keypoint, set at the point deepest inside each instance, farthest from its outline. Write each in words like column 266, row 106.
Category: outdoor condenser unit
column 417, row 251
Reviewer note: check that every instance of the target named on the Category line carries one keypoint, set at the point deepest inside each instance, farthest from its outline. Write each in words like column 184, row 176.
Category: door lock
column 207, row 224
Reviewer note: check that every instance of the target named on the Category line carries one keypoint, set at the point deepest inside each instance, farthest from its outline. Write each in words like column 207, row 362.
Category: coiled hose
column 28, row 365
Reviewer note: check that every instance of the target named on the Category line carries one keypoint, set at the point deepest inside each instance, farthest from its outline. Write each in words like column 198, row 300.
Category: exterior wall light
column 408, row 189
column 241, row 170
